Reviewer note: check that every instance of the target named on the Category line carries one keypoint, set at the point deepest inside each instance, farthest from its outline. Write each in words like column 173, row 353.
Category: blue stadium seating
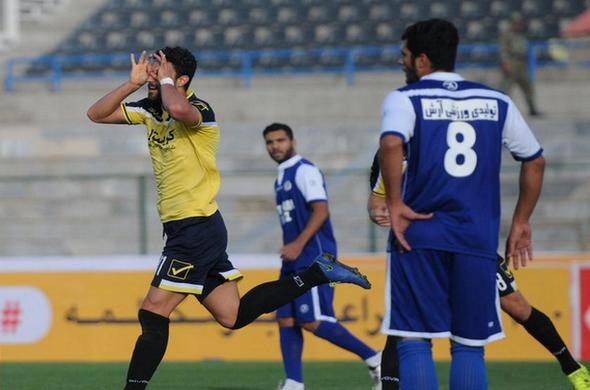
column 124, row 26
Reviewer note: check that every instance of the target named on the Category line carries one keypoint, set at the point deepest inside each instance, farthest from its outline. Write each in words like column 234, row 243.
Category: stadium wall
column 84, row 309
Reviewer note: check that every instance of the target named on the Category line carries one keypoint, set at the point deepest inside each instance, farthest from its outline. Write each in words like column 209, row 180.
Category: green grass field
column 252, row 376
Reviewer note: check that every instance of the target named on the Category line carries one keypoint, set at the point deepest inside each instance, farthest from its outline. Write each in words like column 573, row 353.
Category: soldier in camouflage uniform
column 513, row 59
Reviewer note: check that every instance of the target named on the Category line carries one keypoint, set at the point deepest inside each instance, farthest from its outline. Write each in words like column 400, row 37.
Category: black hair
column 276, row 127
column 438, row 39
column 183, row 60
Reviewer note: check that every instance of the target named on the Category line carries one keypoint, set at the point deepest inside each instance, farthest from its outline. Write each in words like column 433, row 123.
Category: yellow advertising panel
column 85, row 313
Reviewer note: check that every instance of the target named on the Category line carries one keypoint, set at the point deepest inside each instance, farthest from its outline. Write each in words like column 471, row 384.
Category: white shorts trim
column 181, row 287
column 422, row 335
column 317, row 310
column 478, row 343
column 232, row 274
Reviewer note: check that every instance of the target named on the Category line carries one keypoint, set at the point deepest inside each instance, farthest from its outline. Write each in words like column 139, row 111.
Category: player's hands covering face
column 166, row 68
column 139, row 69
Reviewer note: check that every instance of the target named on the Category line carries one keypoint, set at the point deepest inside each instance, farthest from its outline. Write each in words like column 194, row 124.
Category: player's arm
column 173, row 100
column 319, row 215
column 108, row 108
column 401, row 216
column 519, row 245
column 397, row 127
column 310, row 182
column 519, row 139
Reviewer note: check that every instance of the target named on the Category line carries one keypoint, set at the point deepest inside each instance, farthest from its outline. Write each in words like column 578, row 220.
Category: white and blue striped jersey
column 453, row 132
column 300, row 183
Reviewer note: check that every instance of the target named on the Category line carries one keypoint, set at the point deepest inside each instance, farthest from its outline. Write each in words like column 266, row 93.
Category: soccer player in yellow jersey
column 183, row 136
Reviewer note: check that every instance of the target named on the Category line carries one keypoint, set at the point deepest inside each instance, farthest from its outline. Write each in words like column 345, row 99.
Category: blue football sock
column 338, row 335
column 416, row 366
column 291, row 348
column 468, row 370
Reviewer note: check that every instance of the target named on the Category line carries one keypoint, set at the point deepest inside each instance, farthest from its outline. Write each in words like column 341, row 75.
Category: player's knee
column 153, row 306
column 227, row 319
column 228, row 316
column 311, row 326
column 285, row 322
column 226, row 322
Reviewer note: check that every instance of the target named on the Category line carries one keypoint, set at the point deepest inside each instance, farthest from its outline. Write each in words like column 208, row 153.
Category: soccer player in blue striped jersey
column 445, row 207
column 302, row 204
column 512, row 302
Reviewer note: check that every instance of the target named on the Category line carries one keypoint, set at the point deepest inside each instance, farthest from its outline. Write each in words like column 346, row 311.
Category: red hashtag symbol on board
column 10, row 317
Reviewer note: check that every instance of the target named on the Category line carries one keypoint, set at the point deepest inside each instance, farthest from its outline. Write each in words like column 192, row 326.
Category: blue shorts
column 314, row 305
column 434, row 294
column 194, row 259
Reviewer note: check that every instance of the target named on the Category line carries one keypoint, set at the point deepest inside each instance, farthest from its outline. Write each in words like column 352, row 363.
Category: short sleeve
column 518, row 137
column 398, row 116
column 134, row 113
column 207, row 114
column 310, row 182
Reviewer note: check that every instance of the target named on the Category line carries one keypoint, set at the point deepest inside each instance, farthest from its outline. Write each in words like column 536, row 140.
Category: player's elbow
column 92, row 115
column 390, row 143
column 181, row 112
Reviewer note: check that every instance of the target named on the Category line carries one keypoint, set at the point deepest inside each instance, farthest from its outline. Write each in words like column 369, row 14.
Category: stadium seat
column 297, row 35
column 227, row 17
column 261, row 15
column 207, row 38
column 381, row 12
column 140, row 19
column 349, row 13
column 499, row 9
column 327, row 34
column 473, row 10
column 288, row 15
column 201, row 18
column 125, row 25
column 357, row 34
column 319, row 14
column 568, row 7
column 265, row 37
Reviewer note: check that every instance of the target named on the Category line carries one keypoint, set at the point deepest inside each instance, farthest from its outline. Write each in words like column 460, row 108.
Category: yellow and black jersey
column 375, row 179
column 183, row 157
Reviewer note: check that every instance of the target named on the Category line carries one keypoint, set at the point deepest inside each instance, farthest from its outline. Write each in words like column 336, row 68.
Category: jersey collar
column 290, row 162
column 443, row 76
column 189, row 93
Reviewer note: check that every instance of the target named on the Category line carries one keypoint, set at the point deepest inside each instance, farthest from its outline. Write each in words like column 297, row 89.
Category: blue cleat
column 337, row 272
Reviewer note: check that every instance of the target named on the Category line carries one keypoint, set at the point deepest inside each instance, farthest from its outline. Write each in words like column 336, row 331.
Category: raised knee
column 227, row 320
column 311, row 326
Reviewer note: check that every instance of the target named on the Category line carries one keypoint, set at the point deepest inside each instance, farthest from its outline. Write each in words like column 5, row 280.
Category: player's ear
column 182, row 80
column 423, row 64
